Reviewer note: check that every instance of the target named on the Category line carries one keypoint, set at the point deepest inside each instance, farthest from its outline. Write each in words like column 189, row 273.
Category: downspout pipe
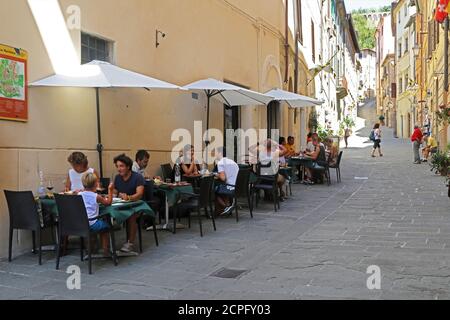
column 286, row 43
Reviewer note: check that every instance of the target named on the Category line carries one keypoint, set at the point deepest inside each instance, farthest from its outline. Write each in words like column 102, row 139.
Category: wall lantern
column 159, row 32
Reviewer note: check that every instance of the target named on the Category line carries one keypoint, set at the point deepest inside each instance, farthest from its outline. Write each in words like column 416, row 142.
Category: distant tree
column 365, row 31
column 366, row 10
column 371, row 10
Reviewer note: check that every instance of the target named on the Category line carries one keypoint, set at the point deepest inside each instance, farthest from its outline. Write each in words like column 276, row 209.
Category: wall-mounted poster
column 13, row 84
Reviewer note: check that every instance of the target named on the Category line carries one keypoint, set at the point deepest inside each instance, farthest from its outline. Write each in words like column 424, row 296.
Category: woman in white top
column 80, row 166
column 270, row 153
column 377, row 140
column 283, row 151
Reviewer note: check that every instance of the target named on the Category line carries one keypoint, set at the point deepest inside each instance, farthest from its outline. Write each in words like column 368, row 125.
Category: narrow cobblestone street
column 386, row 212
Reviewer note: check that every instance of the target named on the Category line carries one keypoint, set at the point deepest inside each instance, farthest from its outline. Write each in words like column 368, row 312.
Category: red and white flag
column 441, row 10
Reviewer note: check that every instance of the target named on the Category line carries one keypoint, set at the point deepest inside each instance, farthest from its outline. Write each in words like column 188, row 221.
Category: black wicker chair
column 243, row 190
column 268, row 183
column 195, row 202
column 24, row 215
column 73, row 221
column 337, row 166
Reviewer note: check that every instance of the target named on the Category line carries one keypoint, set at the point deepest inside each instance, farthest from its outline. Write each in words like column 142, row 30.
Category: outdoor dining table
column 300, row 161
column 119, row 211
column 171, row 194
column 193, row 179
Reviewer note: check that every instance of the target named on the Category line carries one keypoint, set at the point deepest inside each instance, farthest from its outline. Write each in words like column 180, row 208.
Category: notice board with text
column 13, row 84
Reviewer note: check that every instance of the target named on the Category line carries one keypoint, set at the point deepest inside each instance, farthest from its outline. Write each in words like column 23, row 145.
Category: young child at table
column 91, row 201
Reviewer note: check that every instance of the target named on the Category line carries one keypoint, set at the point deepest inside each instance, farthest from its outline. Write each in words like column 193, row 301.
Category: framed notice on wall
column 13, row 84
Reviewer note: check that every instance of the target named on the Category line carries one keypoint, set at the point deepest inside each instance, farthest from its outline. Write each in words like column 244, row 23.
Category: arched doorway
column 271, row 78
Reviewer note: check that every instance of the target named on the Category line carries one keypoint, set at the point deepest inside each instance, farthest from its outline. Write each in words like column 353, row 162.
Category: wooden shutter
column 299, row 21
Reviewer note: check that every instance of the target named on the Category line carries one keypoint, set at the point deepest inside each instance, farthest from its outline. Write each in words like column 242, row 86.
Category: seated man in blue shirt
column 129, row 186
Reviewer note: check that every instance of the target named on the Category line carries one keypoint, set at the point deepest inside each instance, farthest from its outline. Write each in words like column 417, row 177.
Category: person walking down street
column 376, row 140
column 347, row 134
column 416, row 140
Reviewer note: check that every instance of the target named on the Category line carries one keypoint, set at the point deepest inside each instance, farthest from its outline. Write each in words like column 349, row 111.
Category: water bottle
column 203, row 168
column 177, row 173
column 41, row 188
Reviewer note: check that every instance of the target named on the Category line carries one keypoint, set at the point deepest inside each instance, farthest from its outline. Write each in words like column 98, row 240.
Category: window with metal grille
column 95, row 48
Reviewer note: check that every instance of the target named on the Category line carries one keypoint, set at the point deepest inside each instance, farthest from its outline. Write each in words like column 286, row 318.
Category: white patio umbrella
column 292, row 99
column 229, row 94
column 100, row 74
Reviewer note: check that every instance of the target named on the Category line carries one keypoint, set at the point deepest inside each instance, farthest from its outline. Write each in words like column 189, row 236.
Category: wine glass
column 50, row 186
column 64, row 182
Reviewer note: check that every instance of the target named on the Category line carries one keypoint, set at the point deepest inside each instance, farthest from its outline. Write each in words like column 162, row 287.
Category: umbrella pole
column 99, row 132
column 207, row 128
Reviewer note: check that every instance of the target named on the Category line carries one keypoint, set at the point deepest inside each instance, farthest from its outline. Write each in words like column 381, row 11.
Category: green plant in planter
column 348, row 122
column 313, row 122
column 440, row 163
column 324, row 133
column 341, row 129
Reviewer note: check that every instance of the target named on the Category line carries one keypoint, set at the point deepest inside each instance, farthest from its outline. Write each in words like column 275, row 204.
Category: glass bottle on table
column 177, row 173
column 50, row 186
column 41, row 188
column 203, row 168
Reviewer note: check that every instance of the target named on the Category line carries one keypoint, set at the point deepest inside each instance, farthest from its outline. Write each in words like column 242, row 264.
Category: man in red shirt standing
column 416, row 139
